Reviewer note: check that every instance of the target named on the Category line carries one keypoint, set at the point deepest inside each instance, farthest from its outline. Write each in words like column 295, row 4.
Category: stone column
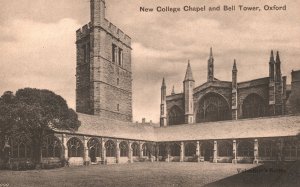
column 215, row 155
column 181, row 151
column 198, row 151
column 117, row 151
column 130, row 152
column 157, row 152
column 168, row 152
column 234, row 160
column 255, row 161
column 86, row 158
column 141, row 149
column 103, row 151
column 65, row 147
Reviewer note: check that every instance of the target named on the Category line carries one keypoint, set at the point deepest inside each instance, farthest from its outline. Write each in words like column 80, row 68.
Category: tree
column 33, row 113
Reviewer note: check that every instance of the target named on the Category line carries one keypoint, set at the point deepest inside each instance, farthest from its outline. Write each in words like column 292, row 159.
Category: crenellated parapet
column 108, row 27
column 83, row 31
column 116, row 32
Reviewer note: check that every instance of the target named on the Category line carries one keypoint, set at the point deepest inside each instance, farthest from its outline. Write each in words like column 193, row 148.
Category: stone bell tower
column 103, row 69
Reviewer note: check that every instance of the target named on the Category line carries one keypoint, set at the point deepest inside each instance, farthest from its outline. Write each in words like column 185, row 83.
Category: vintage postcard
column 149, row 93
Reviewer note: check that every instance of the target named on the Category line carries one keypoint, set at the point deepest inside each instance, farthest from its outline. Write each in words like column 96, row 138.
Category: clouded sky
column 37, row 43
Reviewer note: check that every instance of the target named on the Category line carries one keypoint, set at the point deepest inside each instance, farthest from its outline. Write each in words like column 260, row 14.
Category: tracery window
column 212, row 107
column 206, row 150
column 135, row 149
column 75, row 148
column 146, row 149
column 51, row 147
column 94, row 148
column 162, row 149
column 225, row 148
column 190, row 149
column 268, row 149
column 291, row 150
column 175, row 149
column 253, row 106
column 110, row 148
column 245, row 149
column 175, row 116
column 123, row 149
column 20, row 148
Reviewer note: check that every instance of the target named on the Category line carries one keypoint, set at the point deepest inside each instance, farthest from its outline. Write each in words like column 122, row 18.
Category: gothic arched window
column 110, row 148
column 253, row 106
column 146, row 149
column 245, row 149
column 225, row 148
column 75, row 148
column 123, row 149
column 175, row 116
column 20, row 148
column 212, row 107
column 190, row 149
column 94, row 149
column 51, row 147
column 135, row 149
column 175, row 149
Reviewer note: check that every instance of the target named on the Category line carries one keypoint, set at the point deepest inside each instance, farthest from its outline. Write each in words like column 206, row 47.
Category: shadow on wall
column 268, row 174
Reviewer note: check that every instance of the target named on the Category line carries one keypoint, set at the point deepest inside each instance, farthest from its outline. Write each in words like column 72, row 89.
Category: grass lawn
column 137, row 174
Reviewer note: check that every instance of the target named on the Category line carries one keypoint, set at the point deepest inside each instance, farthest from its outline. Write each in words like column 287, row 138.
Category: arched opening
column 162, row 150
column 123, row 149
column 268, row 150
column 224, row 149
column 146, row 149
column 207, row 150
column 110, row 148
column 212, row 107
column 253, row 106
column 190, row 149
column 75, row 148
column 291, row 150
column 135, row 149
column 94, row 149
column 51, row 147
column 20, row 148
column 174, row 149
column 175, row 116
column 245, row 149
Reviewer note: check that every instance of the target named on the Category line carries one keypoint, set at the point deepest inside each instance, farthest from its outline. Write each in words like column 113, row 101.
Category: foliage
column 31, row 113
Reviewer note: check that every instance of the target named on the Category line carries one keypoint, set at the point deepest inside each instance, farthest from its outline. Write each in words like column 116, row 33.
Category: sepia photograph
column 149, row 93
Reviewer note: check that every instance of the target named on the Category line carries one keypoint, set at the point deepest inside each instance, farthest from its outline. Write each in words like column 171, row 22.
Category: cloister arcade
column 79, row 150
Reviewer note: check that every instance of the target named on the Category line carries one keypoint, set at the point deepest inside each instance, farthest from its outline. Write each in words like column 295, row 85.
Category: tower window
column 120, row 57
column 118, row 107
column 118, row 81
column 114, row 53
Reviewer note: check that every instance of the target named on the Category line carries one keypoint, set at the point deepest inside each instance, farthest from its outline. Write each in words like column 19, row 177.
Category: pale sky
column 37, row 44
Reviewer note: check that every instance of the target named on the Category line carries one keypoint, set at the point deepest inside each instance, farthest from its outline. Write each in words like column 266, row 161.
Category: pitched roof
column 98, row 126
column 246, row 128
column 232, row 129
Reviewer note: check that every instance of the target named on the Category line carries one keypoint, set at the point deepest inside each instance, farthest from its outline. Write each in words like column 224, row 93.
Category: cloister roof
column 98, row 126
column 247, row 128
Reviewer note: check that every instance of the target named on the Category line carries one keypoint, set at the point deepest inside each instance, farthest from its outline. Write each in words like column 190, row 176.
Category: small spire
column 272, row 57
column 163, row 85
column 210, row 53
column 234, row 65
column 277, row 57
column 189, row 74
column 173, row 90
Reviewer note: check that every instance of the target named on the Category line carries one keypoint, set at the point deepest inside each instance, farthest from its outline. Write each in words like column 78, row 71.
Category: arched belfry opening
column 212, row 107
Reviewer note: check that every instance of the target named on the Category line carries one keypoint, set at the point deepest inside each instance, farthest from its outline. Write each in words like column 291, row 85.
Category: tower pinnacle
column 188, row 74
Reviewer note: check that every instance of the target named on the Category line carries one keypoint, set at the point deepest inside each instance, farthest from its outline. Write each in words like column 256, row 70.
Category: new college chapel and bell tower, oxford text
column 103, row 72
